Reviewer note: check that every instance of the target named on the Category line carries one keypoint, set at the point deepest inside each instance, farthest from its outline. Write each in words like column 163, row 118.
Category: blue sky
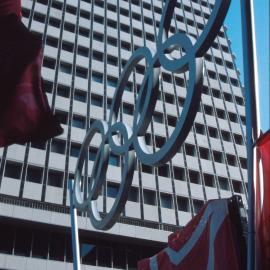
column 233, row 22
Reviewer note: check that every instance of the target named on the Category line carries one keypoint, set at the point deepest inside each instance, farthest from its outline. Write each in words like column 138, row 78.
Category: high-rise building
column 86, row 45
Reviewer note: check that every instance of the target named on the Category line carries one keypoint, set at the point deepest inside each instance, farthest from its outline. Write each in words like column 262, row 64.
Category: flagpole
column 74, row 229
column 252, row 116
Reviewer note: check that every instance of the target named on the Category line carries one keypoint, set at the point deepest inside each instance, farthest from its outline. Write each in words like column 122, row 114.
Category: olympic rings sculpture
column 132, row 144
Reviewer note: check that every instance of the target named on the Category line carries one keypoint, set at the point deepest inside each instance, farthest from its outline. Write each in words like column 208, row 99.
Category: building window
column 97, row 77
column 114, row 160
column 75, row 150
column 63, row 91
column 200, row 129
column 81, row 72
column 179, row 173
column 223, row 183
column 209, row 180
column 92, row 154
column 96, row 100
column 83, row 51
column 55, row 178
column 204, row 153
column 231, row 160
column 13, row 170
column 57, row 247
column 80, row 95
column 237, row 186
column 23, row 242
column 238, row 139
column 158, row 117
column 190, row 149
column 112, row 190
column 164, row 170
column 226, row 136
column 40, row 245
column 89, row 253
column 243, row 162
column 233, row 117
column 160, row 141
column 104, row 256
column 183, row 204
column 34, row 174
column 133, row 194
column 197, row 205
column 67, row 46
column 78, row 121
column 208, row 109
column 98, row 37
column 147, row 169
column 149, row 197
column 213, row 132
column 66, row 68
column 218, row 157
column 194, row 177
column 7, row 239
column 221, row 114
column 48, row 63
column 128, row 108
column 166, row 200
column 171, row 120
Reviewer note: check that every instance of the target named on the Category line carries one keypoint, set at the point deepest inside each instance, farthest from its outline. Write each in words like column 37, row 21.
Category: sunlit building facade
column 86, row 45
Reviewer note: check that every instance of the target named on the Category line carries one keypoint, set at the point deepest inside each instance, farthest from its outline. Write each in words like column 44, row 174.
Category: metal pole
column 74, row 230
column 252, row 116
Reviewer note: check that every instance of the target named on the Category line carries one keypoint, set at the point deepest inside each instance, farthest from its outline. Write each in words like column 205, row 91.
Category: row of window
column 56, row 245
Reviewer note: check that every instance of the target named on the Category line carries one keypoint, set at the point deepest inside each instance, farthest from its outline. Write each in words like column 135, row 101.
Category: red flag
column 263, row 145
column 25, row 114
column 209, row 241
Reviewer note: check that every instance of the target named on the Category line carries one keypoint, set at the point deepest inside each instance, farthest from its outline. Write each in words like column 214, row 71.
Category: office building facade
column 86, row 45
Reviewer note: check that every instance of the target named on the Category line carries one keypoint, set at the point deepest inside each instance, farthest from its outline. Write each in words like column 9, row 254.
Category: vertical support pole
column 74, row 229
column 252, row 117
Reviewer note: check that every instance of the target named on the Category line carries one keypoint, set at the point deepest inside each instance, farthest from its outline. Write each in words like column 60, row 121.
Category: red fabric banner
column 207, row 242
column 25, row 114
column 263, row 145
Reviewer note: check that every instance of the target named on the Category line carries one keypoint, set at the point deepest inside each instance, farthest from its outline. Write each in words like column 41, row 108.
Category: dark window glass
column 218, row 157
column 23, row 242
column 133, row 194
column 213, row 132
column 97, row 77
column 160, row 141
column 114, row 160
column 96, row 100
column 83, row 51
column 163, row 170
column 66, row 68
column 183, row 204
column 149, row 197
column 209, row 180
column 63, row 91
column 78, row 121
column 81, row 72
column 58, row 146
column 237, row 186
column 243, row 162
column 226, row 136
column 231, row 160
column 200, row 129
column 92, row 154
column 40, row 244
column 204, row 153
column 190, row 149
column 80, row 95
column 132, row 257
column 119, row 257
column 179, row 173
column 62, row 117
column 39, row 144
column 55, row 178
column 194, row 177
column 54, row 22
column 48, row 86
column 128, row 108
column 238, row 139
column 104, row 256
column 57, row 247
column 223, row 183
column 67, row 46
column 48, row 63
column 166, row 200
column 158, row 117
column 34, row 174
column 13, row 170
column 7, row 238
column 171, row 120
column 197, row 204
column 88, row 253
column 98, row 36
column 112, row 190
column 75, row 150
column 69, row 27
column 233, row 117
column 147, row 169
